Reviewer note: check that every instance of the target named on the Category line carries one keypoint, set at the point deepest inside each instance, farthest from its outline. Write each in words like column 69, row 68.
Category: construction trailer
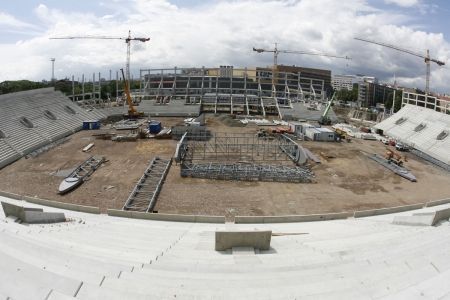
column 320, row 134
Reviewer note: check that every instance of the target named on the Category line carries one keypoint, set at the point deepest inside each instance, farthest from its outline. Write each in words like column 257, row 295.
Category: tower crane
column 277, row 51
column 127, row 40
column 426, row 58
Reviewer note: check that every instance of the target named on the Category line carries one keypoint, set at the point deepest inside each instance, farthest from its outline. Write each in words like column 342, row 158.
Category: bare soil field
column 350, row 181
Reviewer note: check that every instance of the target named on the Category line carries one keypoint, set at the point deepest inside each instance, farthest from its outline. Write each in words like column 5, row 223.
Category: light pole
column 53, row 69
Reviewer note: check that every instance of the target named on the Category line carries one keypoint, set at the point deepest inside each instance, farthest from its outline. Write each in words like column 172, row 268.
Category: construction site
column 223, row 183
column 214, row 164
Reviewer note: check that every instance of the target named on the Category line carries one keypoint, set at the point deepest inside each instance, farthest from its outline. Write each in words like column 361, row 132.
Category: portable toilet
column 154, row 127
column 91, row 124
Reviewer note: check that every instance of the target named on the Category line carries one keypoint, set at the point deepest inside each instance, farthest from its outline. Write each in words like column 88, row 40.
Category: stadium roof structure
column 421, row 128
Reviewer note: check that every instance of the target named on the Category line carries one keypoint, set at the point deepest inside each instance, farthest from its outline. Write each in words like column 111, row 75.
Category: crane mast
column 426, row 57
column 127, row 40
column 277, row 51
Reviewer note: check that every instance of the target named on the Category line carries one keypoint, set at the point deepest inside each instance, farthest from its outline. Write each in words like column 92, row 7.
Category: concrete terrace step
column 19, row 280
column 59, row 262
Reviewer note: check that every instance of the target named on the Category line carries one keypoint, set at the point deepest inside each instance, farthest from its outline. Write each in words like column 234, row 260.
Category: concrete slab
column 256, row 239
column 418, row 220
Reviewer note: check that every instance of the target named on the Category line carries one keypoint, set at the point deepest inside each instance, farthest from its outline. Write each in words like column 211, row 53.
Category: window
column 2, row 135
column 420, row 127
column 441, row 136
column 69, row 110
column 25, row 122
column 400, row 121
column 49, row 115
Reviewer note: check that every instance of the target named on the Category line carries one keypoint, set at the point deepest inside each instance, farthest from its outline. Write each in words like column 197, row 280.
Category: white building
column 340, row 82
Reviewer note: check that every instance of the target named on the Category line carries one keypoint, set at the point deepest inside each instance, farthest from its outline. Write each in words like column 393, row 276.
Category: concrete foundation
column 257, row 239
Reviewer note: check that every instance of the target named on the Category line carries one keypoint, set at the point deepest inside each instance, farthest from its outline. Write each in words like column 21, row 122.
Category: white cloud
column 224, row 32
column 403, row 3
column 9, row 21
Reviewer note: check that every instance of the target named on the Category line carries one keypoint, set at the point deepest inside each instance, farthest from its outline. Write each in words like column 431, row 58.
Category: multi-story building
column 370, row 93
column 345, row 82
column 234, row 90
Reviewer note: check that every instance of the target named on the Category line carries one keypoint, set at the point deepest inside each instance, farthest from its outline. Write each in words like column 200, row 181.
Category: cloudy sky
column 194, row 33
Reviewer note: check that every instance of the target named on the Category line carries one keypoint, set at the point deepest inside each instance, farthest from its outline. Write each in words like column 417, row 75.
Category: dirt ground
column 351, row 181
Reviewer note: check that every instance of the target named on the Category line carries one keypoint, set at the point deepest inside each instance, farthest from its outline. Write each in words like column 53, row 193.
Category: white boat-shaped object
column 80, row 174
column 69, row 184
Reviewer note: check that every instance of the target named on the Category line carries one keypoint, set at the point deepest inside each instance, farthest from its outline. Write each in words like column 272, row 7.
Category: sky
column 210, row 33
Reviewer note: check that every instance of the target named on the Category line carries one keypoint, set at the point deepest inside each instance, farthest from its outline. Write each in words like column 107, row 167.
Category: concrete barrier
column 10, row 195
column 257, row 239
column 248, row 219
column 437, row 202
column 165, row 217
column 32, row 215
column 210, row 219
column 388, row 210
column 68, row 206
column 291, row 218
column 441, row 215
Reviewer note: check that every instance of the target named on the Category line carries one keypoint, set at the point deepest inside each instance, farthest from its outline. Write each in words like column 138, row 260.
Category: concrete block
column 388, row 210
column 36, row 217
column 62, row 205
column 307, row 218
column 441, row 215
column 257, row 239
column 118, row 213
column 415, row 220
column 15, row 210
column 437, row 202
column 210, row 219
column 32, row 215
column 10, row 195
column 163, row 217
column 248, row 219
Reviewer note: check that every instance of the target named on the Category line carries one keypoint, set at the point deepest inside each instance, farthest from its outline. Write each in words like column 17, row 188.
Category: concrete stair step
column 19, row 280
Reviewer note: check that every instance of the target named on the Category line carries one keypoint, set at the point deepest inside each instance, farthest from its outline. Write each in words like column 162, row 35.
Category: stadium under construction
column 244, row 149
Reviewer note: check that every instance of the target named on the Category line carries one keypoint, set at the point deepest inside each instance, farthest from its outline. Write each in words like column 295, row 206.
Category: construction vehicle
column 426, row 57
column 343, row 136
column 324, row 119
column 393, row 157
column 132, row 112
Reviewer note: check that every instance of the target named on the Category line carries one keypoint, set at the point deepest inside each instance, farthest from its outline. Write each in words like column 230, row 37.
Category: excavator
column 132, row 112
column 393, row 157
column 324, row 119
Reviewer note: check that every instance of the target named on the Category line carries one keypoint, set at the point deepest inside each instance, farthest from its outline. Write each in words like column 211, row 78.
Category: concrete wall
column 291, row 219
column 228, row 239
column 11, row 195
column 68, row 206
column 388, row 210
column 437, row 202
column 165, row 217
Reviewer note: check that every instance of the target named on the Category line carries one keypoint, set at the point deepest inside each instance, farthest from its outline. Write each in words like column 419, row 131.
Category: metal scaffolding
column 145, row 193
column 242, row 157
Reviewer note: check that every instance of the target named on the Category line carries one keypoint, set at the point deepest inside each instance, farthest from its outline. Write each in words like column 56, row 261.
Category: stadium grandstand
column 32, row 119
column 103, row 257
column 423, row 124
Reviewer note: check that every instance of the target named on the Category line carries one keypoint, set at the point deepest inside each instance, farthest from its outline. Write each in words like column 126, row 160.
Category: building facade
column 345, row 82
column 233, row 90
